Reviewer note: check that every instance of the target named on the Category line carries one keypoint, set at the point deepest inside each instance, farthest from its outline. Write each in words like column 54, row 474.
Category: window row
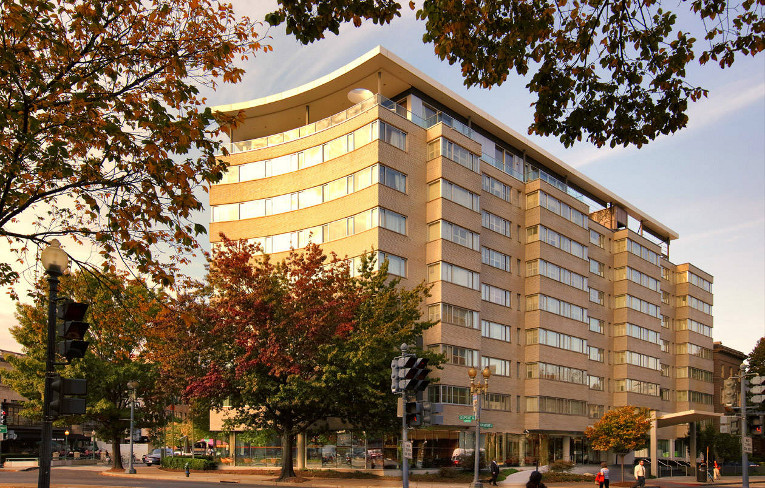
column 460, row 356
column 442, row 188
column 694, row 373
column 448, row 149
column 396, row 264
column 627, row 273
column 495, row 295
column 561, row 406
column 596, row 325
column 508, row 162
column 693, row 302
column 597, row 268
column 494, row 330
column 637, row 359
column 637, row 249
column 636, row 386
column 542, row 233
column 556, row 339
column 311, row 196
column 496, row 188
column 355, row 224
column 637, row 304
column 546, row 371
column 637, row 332
column 692, row 325
column 596, row 354
column 694, row 397
column 557, row 273
column 597, row 296
column 452, row 314
column 693, row 350
column 542, row 199
column 694, row 279
column 598, row 239
column 499, row 367
column 443, row 271
column 495, row 223
column 317, row 154
column 556, row 306
column 443, row 229
column 496, row 259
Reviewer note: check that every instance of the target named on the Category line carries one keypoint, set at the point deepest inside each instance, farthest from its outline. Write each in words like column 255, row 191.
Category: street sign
column 747, row 444
column 3, row 429
column 408, row 449
column 486, row 425
column 466, row 418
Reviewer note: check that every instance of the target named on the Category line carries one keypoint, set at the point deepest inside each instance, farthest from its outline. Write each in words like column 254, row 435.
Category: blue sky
column 706, row 182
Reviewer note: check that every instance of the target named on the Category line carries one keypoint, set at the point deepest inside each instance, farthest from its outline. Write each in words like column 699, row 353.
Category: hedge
column 179, row 462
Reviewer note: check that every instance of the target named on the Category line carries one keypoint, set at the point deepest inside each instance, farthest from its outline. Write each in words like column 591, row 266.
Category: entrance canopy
column 689, row 417
column 685, row 417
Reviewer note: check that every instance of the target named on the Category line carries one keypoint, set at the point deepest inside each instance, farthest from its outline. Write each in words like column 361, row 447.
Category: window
column 637, row 359
column 496, row 401
column 693, row 350
column 452, row 314
column 443, row 229
column 455, row 395
column 493, row 330
column 636, row 277
column 448, row 149
column 665, row 320
column 637, row 304
column 496, row 295
column 443, row 271
column 507, row 162
column 542, row 199
column 695, row 373
column 396, row 264
column 556, row 339
column 495, row 223
column 554, row 372
column 638, row 250
column 596, row 354
column 636, row 386
column 666, row 274
column 562, row 406
column 457, row 355
column 223, row 213
column 694, row 279
column 597, row 268
column 694, row 397
column 499, row 367
column 496, row 259
column 596, row 325
column 692, row 325
column 393, row 136
column 596, row 382
column 557, row 273
column 597, row 239
column 393, row 178
column 695, row 303
column 637, row 332
column 556, row 306
column 665, row 369
column 597, row 296
column 665, row 297
column 496, row 188
column 595, row 411
column 664, row 393
column 664, row 345
column 392, row 221
column 455, row 193
column 542, row 233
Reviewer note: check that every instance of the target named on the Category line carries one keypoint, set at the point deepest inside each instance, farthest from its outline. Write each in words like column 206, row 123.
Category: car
column 155, row 456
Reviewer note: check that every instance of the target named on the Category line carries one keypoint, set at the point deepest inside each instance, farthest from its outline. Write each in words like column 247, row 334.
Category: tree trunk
column 116, row 454
column 622, row 468
column 288, row 470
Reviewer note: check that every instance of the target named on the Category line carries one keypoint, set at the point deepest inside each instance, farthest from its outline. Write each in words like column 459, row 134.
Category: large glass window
column 496, row 188
column 556, row 339
column 496, row 259
column 637, row 304
column 636, row 386
column 493, row 330
column 637, row 332
column 442, row 271
column 636, row 277
column 542, row 233
column 694, row 279
column 457, row 194
column 454, row 395
column 637, row 359
column 452, row 314
column 495, row 223
column 495, row 294
column 554, row 372
column 562, row 406
column 557, row 273
column 448, row 149
column 695, row 303
column 542, row 199
column 692, row 325
column 556, row 306
column 499, row 367
column 637, row 249
column 443, row 229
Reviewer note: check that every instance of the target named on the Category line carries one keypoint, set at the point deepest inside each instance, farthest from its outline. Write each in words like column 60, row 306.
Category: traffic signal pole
column 744, row 454
column 404, row 440
column 43, row 478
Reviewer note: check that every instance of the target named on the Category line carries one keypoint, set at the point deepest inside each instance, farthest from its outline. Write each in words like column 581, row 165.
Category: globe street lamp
column 93, row 442
column 55, row 261
column 132, row 385
column 477, row 389
column 66, row 444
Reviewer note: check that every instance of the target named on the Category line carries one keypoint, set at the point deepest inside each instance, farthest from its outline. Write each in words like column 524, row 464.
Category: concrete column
column 301, row 451
column 232, row 447
column 567, row 448
column 522, row 447
column 654, row 445
column 692, row 454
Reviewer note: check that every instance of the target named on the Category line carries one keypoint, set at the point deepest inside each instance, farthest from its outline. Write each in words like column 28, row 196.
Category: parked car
column 155, row 456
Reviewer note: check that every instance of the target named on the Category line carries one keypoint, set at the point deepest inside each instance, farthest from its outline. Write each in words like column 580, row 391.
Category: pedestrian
column 639, row 474
column 494, row 468
column 602, row 477
column 716, row 471
column 535, row 480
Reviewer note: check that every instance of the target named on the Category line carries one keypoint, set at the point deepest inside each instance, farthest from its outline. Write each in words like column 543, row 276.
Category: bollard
column 187, row 470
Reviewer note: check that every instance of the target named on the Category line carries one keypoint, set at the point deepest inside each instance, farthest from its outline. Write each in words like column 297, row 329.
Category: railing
column 502, row 167
column 340, row 117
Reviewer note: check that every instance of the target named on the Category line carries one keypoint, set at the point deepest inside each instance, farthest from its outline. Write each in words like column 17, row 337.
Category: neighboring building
column 727, row 363
column 564, row 289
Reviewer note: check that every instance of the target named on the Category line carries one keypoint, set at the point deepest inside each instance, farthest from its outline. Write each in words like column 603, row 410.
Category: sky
column 706, row 182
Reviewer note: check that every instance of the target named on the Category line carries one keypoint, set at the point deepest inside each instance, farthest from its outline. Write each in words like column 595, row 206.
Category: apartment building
column 564, row 289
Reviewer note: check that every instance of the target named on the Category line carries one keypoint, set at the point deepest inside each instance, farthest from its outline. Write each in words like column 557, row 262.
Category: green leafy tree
column 105, row 136
column 296, row 342
column 756, row 359
column 621, row 430
column 117, row 315
column 722, row 447
column 613, row 72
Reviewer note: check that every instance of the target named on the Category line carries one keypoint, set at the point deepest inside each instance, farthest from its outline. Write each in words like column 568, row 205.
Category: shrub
column 197, row 464
column 448, row 472
column 561, row 466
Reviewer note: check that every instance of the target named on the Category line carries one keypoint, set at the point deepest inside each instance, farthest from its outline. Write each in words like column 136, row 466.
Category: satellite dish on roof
column 358, row 95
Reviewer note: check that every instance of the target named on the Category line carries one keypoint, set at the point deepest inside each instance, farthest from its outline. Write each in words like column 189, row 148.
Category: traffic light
column 429, row 411
column 729, row 393
column 412, row 372
column 394, row 369
column 758, row 389
column 3, row 414
column 413, row 414
column 61, row 390
column 72, row 330
column 754, row 425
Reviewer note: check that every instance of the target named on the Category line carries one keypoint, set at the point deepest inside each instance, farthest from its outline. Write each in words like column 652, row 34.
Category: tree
column 117, row 314
column 101, row 118
column 621, row 430
column 724, row 447
column 301, row 340
column 611, row 71
column 756, row 359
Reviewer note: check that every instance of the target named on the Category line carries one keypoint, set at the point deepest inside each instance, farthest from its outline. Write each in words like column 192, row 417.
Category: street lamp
column 93, row 443
column 477, row 389
column 66, row 444
column 539, row 448
column 55, row 261
column 132, row 385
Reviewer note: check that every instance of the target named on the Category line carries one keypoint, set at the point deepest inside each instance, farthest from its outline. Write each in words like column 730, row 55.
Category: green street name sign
column 3, row 429
column 486, row 426
column 466, row 418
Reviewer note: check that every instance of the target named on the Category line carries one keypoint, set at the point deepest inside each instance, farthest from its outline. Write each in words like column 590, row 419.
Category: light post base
column 130, row 471
column 476, row 484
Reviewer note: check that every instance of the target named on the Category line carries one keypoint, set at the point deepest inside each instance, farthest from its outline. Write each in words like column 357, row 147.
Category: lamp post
column 66, row 444
column 93, row 444
column 132, row 385
column 477, row 389
column 55, row 261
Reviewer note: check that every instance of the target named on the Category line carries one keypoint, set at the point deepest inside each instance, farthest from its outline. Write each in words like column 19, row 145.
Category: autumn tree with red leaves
column 620, row 430
column 104, row 135
column 295, row 342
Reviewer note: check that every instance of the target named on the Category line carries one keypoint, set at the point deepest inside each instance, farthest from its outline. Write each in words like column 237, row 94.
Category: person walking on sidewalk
column 535, row 480
column 602, row 477
column 494, row 472
column 639, row 474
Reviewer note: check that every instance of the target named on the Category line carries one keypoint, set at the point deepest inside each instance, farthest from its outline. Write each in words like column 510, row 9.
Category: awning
column 685, row 417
